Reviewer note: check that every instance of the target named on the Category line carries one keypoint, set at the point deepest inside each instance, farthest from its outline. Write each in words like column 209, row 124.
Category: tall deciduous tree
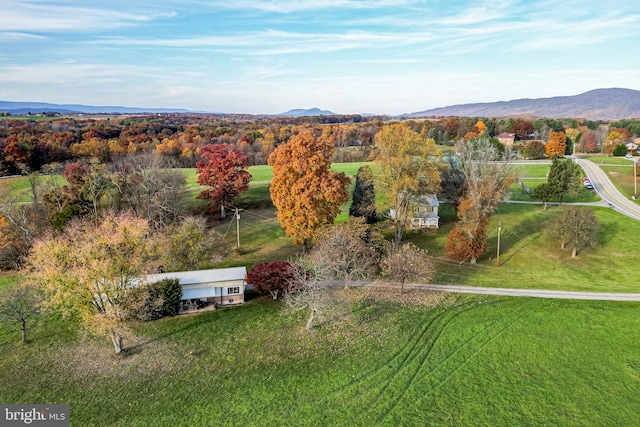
column 89, row 271
column 223, row 168
column 363, row 196
column 304, row 190
column 577, row 228
column 409, row 169
column 557, row 144
column 488, row 178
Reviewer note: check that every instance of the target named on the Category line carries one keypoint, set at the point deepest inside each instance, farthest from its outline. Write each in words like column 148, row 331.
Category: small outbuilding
column 200, row 288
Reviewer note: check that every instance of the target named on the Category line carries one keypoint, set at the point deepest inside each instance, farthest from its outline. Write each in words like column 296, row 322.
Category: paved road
column 607, row 191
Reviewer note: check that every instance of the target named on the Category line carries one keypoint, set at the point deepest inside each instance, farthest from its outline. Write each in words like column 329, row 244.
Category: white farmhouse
column 424, row 212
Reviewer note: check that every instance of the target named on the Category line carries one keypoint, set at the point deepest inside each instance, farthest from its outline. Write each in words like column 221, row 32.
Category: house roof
column 429, row 200
column 505, row 135
column 202, row 276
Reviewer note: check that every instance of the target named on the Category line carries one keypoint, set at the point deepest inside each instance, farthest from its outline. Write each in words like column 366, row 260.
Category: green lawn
column 533, row 175
column 465, row 361
column 622, row 178
column 607, row 160
column 531, row 256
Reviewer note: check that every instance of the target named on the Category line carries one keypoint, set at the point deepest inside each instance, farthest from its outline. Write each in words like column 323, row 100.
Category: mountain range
column 18, row 108
column 309, row 112
column 598, row 104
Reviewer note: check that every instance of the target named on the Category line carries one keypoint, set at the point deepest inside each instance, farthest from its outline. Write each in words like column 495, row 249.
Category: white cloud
column 292, row 6
column 12, row 36
column 27, row 16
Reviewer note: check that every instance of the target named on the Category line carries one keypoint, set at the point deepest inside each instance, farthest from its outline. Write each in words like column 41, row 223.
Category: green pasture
column 622, row 178
column 607, row 160
column 530, row 255
column 465, row 361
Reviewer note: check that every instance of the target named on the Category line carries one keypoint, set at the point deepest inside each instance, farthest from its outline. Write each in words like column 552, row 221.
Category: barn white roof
column 202, row 276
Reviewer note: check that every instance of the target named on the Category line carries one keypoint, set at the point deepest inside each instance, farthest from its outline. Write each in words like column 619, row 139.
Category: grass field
column 459, row 361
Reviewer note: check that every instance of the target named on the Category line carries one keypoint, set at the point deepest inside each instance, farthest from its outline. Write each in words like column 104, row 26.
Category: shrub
column 620, row 150
column 155, row 300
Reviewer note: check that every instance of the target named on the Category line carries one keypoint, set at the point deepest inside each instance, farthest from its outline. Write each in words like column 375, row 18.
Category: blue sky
column 347, row 56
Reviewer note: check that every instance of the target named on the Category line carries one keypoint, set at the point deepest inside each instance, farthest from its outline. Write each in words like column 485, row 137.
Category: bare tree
column 577, row 228
column 407, row 264
column 308, row 290
column 145, row 185
column 19, row 304
column 20, row 223
column 348, row 250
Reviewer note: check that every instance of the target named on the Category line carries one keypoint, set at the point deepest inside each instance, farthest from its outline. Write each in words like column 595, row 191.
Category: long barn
column 222, row 286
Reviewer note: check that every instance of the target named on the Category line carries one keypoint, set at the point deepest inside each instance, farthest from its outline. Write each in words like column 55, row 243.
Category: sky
column 347, row 56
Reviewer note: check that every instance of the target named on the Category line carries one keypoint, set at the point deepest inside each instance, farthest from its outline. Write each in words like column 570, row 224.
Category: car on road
column 629, row 156
column 588, row 186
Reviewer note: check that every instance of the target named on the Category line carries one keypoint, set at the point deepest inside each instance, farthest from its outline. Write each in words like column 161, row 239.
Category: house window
column 231, row 291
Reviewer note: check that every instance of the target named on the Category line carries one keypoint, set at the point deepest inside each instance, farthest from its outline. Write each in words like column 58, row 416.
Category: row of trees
column 28, row 145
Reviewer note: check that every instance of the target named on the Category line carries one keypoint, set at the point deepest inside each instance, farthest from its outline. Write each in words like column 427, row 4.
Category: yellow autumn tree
column 557, row 144
column 613, row 140
column 408, row 169
column 304, row 190
column 89, row 271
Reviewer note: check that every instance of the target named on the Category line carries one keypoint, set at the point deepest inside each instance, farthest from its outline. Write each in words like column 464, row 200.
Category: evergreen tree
column 363, row 196
column 564, row 176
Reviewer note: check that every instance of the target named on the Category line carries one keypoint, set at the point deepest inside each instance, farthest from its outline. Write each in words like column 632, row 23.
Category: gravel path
column 535, row 293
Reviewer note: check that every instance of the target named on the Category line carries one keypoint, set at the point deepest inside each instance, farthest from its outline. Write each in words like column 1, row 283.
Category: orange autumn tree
column 557, row 144
column 304, row 190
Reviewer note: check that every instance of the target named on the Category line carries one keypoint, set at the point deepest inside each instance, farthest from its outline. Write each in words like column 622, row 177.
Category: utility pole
column 238, row 225
column 498, row 255
column 635, row 179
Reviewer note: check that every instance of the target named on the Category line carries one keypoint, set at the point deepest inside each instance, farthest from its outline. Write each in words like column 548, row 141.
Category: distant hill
column 19, row 108
column 310, row 112
column 599, row 104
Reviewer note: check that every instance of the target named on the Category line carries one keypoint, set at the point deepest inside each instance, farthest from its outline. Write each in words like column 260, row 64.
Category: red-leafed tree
column 274, row 278
column 223, row 168
column 522, row 128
